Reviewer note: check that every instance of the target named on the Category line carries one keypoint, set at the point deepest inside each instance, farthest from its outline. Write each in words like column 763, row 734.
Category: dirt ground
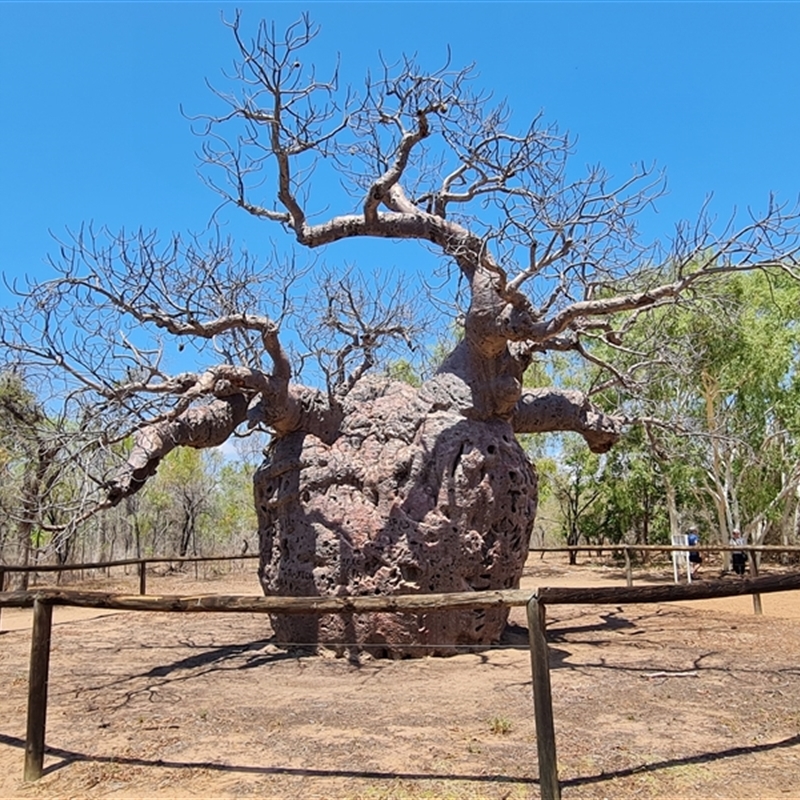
column 695, row 700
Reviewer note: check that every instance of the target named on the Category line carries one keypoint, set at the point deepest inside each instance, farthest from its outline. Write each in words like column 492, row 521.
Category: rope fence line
column 536, row 602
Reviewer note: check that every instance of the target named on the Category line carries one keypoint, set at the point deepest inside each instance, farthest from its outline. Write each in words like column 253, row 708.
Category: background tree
column 719, row 404
column 620, row 499
column 370, row 485
column 37, row 493
column 577, row 489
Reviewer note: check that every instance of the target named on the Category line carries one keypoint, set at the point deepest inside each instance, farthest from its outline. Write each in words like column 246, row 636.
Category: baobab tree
column 371, row 485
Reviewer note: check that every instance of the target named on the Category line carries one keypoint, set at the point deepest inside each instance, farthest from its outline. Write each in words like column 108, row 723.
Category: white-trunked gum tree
column 371, row 485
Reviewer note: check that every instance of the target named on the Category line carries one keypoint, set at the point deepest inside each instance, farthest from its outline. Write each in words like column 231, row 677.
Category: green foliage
column 404, row 371
column 719, row 371
column 197, row 502
column 201, row 488
column 723, row 376
column 233, row 515
column 630, row 504
column 35, row 488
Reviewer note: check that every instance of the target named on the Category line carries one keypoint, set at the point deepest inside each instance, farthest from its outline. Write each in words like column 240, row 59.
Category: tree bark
column 412, row 497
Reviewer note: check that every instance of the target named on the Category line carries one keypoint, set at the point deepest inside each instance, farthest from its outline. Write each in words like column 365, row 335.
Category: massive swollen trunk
column 412, row 496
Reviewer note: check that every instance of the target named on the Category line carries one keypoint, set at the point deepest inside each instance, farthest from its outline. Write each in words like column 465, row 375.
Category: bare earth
column 699, row 700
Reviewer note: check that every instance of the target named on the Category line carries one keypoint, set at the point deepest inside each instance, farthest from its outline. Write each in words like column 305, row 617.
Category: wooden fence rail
column 583, row 548
column 626, row 549
column 43, row 601
column 125, row 562
column 623, row 548
column 256, row 604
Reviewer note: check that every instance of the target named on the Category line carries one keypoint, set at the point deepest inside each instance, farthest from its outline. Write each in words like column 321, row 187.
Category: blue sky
column 91, row 95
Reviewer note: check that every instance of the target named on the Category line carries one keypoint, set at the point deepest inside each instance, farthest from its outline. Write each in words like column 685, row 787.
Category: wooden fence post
column 142, row 577
column 543, row 702
column 37, row 689
column 628, row 569
column 754, row 573
column 2, row 589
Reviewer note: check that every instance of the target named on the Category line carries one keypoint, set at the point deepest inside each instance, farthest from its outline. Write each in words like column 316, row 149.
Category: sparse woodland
column 673, row 362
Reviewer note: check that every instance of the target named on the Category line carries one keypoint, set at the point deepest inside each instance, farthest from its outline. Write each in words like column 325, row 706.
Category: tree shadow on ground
column 248, row 655
column 699, row 758
column 610, row 621
column 516, row 635
column 216, row 655
column 70, row 757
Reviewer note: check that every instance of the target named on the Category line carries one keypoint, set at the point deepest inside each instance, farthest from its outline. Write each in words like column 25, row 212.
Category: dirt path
column 693, row 700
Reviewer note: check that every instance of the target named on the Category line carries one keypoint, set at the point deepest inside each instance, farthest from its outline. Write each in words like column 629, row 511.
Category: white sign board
column 680, row 558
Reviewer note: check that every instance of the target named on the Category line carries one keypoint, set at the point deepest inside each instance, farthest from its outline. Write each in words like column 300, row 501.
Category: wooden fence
column 43, row 601
column 626, row 549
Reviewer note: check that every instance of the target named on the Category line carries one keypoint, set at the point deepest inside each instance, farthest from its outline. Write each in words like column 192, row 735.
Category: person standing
column 695, row 558
column 739, row 556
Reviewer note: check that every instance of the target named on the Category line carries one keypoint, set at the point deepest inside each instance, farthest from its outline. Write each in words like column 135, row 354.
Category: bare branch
column 202, row 426
column 550, row 261
column 547, row 410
